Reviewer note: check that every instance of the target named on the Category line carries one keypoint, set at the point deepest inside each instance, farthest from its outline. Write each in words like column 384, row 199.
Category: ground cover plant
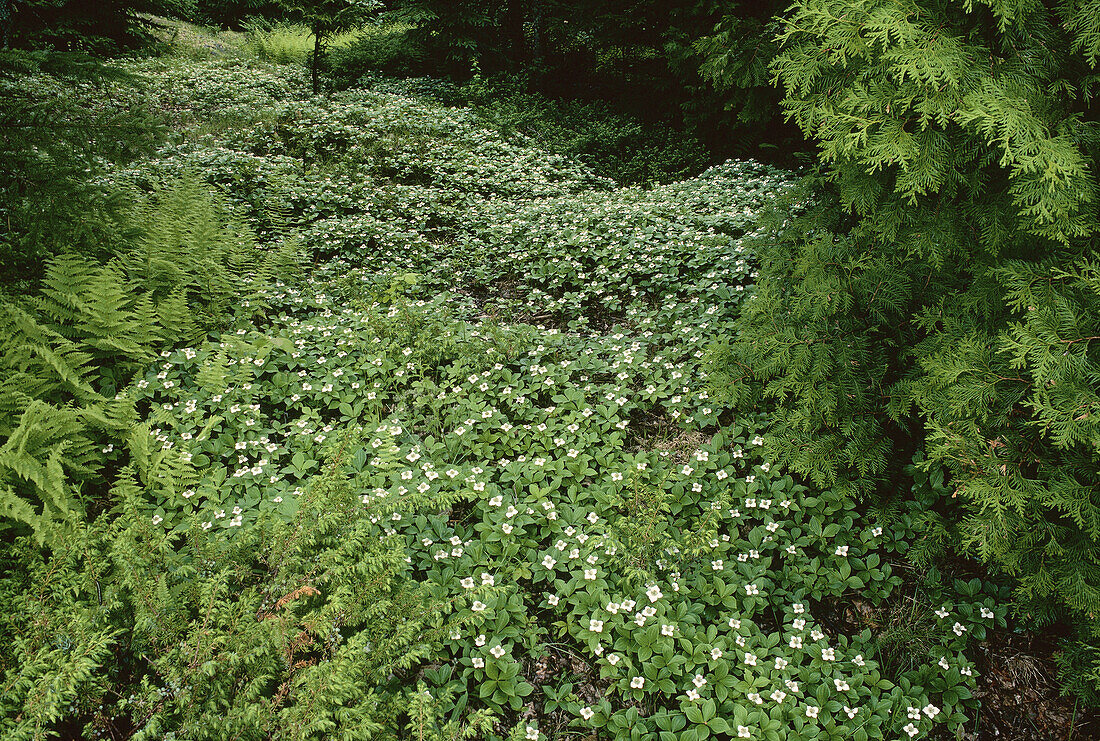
column 385, row 425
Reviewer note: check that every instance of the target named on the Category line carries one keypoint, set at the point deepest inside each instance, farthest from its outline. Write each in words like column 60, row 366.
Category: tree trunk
column 515, row 15
column 536, row 31
column 7, row 13
column 315, row 63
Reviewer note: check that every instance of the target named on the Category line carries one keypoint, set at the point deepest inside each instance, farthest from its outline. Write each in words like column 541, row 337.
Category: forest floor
column 507, row 325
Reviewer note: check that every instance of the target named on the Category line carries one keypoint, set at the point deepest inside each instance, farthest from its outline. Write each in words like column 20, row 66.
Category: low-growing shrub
column 283, row 43
column 383, row 48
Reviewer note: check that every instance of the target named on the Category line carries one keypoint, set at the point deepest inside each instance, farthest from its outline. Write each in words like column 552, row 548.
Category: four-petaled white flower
column 637, row 683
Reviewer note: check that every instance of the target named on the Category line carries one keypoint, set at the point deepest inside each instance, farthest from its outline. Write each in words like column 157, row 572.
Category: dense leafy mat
column 493, row 381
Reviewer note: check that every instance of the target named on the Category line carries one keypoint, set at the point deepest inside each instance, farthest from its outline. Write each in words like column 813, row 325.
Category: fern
column 31, row 465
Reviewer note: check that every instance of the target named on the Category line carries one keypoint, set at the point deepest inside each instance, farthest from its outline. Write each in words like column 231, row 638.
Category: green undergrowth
column 436, row 456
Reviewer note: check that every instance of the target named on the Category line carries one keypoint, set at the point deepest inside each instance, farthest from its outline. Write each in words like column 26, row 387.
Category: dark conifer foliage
column 952, row 302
